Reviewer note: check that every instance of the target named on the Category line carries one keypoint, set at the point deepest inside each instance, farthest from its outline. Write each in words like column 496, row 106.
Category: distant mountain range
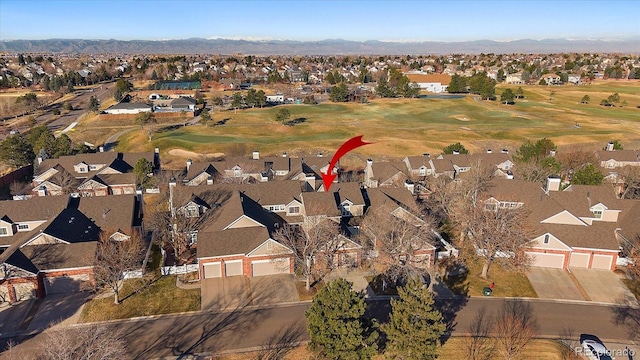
column 323, row 47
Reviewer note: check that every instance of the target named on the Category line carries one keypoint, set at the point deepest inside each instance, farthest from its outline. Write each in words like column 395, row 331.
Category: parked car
column 593, row 348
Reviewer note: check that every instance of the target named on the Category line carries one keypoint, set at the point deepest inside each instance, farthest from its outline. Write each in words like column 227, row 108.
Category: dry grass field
column 400, row 127
column 453, row 349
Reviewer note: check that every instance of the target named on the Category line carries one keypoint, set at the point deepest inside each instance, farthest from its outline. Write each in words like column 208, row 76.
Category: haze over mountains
column 322, row 47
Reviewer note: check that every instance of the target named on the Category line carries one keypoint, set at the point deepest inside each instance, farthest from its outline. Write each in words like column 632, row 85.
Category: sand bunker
column 460, row 117
column 191, row 154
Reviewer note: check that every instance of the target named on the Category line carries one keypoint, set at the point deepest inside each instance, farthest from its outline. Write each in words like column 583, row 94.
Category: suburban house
column 574, row 79
column 435, row 83
column 235, row 236
column 183, row 103
column 515, row 79
column 48, row 244
column 613, row 159
column 259, row 169
column 580, row 226
column 90, row 174
column 400, row 203
column 384, row 174
column 128, row 108
column 551, row 79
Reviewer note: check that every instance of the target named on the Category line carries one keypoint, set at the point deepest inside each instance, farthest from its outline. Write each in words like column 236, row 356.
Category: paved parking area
column 238, row 291
column 553, row 284
column 603, row 286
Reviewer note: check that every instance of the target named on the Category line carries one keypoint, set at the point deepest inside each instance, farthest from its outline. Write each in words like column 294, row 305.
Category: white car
column 595, row 350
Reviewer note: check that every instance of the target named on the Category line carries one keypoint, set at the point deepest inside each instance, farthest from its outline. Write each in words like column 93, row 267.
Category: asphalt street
column 214, row 332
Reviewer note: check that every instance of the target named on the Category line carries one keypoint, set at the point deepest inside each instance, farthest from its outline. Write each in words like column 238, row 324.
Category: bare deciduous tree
column 480, row 344
column 316, row 237
column 67, row 182
column 575, row 159
column 94, row 341
column 19, row 188
column 515, row 325
column 499, row 235
column 113, row 259
column 630, row 176
column 397, row 236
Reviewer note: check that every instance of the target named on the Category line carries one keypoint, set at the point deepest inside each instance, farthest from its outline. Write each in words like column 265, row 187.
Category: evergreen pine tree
column 415, row 326
column 336, row 323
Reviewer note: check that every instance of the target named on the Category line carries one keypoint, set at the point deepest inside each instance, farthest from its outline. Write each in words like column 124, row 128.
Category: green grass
column 160, row 297
column 507, row 283
column 400, row 127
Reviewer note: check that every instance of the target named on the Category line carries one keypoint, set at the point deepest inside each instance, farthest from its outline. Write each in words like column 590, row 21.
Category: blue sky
column 318, row 20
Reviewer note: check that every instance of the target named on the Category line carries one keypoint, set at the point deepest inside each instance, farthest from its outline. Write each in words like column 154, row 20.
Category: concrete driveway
column 553, row 284
column 12, row 316
column 63, row 309
column 239, row 291
column 603, row 286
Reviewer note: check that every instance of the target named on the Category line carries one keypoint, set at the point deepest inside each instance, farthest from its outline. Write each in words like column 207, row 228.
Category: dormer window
column 82, row 169
column 597, row 213
column 192, row 211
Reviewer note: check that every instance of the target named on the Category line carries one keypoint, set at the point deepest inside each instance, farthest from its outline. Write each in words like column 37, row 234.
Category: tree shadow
column 282, row 342
column 221, row 122
column 296, row 121
column 627, row 314
column 449, row 308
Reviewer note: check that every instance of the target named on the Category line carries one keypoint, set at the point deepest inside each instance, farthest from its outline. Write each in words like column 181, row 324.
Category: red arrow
column 349, row 145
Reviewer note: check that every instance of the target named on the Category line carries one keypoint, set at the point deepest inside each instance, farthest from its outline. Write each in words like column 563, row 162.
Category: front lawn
column 161, row 296
column 305, row 295
column 507, row 283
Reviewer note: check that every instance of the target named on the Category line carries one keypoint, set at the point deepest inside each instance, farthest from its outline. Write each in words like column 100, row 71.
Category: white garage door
column 602, row 262
column 212, row 270
column 4, row 294
column 546, row 260
column 65, row 284
column 233, row 268
column 579, row 260
column 269, row 267
column 24, row 291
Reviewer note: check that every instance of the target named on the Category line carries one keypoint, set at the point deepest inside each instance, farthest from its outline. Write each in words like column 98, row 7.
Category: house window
column 3, row 231
column 23, row 226
column 93, row 167
column 597, row 214
column 546, row 239
column 423, row 171
column 82, row 169
column 610, row 165
column 192, row 211
column 294, row 209
column 491, row 207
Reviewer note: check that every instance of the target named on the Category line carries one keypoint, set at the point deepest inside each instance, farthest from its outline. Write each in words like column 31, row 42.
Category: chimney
column 189, row 163
column 409, row 185
column 456, row 152
column 489, row 151
column 552, row 153
column 256, row 155
column 39, row 160
column 156, row 150
column 209, row 180
column 553, row 183
column 609, row 146
column 369, row 162
column 101, row 149
column 284, row 154
column 320, row 155
column 505, row 151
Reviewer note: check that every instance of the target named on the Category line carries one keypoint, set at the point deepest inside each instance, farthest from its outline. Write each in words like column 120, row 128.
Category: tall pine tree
column 337, row 326
column 415, row 326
